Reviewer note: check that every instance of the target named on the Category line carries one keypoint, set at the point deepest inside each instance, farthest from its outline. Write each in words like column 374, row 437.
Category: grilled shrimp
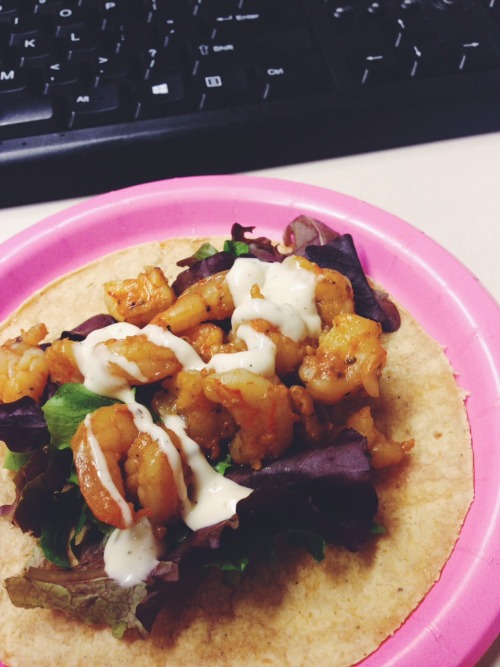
column 348, row 360
column 333, row 294
column 262, row 410
column 23, row 367
column 384, row 451
column 138, row 300
column 289, row 353
column 61, row 362
column 206, row 338
column 150, row 480
column 135, row 359
column 208, row 299
column 107, row 439
column 208, row 423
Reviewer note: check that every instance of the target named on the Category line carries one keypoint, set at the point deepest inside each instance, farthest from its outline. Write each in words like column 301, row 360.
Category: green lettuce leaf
column 205, row 250
column 59, row 525
column 236, row 248
column 223, row 465
column 313, row 542
column 89, row 595
column 15, row 461
column 67, row 408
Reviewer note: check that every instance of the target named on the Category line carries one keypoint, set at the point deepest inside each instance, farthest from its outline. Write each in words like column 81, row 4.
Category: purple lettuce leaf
column 305, row 231
column 36, row 483
column 203, row 268
column 81, row 331
column 326, row 490
column 341, row 255
column 22, row 425
column 260, row 247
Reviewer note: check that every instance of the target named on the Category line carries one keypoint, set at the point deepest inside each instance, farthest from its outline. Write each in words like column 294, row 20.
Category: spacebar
column 25, row 114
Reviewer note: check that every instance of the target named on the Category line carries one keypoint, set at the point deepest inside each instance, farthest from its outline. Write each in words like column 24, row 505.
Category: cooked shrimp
column 349, row 359
column 23, row 368
column 289, row 353
column 150, row 362
column 261, row 408
column 113, row 428
column 206, row 338
column 384, row 451
column 150, row 479
column 312, row 428
column 333, row 295
column 138, row 300
column 135, row 359
column 209, row 299
column 208, row 423
column 61, row 362
column 111, row 431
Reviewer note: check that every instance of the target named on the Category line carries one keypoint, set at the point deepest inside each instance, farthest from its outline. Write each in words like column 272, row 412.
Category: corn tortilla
column 296, row 612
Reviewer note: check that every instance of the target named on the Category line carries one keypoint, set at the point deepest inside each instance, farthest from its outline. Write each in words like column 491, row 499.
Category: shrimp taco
column 223, row 452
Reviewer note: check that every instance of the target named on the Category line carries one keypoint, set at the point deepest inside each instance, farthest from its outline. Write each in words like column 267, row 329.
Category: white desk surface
column 449, row 190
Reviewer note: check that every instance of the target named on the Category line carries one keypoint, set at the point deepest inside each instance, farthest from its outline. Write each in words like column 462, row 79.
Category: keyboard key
column 223, row 86
column 108, row 68
column 32, row 50
column 476, row 55
column 92, row 106
column 160, row 97
column 20, row 110
column 12, row 80
column 57, row 76
column 9, row 9
column 258, row 45
column 378, row 67
column 425, row 59
column 291, row 78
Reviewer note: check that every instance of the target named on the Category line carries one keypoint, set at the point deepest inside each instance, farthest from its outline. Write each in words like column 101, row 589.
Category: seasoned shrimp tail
column 138, row 300
column 209, row 299
column 23, row 367
column 261, row 408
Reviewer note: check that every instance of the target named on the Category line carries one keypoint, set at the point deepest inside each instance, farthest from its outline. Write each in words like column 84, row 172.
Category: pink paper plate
column 460, row 616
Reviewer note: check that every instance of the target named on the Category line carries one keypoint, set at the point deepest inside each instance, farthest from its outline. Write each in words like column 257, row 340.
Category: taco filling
column 246, row 410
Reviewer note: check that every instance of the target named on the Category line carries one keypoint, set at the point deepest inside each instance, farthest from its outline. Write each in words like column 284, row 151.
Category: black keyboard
column 101, row 94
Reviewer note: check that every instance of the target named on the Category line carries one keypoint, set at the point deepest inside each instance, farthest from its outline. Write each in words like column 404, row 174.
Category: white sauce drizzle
column 213, row 497
column 131, row 555
column 144, row 423
column 288, row 303
column 183, row 351
column 259, row 357
column 93, row 359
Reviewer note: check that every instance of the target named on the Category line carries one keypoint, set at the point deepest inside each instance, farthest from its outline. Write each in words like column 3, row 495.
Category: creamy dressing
column 285, row 285
column 145, row 424
column 131, row 555
column 183, row 351
column 213, row 496
column 259, row 357
column 93, row 358
column 288, row 303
